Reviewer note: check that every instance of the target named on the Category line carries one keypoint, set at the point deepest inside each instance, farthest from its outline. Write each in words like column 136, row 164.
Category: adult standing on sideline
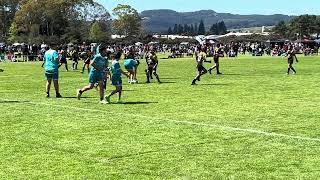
column 51, row 66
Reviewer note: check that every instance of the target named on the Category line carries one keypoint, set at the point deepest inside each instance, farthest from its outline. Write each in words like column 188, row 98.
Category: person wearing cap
column 96, row 75
column 51, row 66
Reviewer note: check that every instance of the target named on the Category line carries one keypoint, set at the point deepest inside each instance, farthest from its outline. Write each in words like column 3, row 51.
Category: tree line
column 302, row 26
column 195, row 29
column 37, row 21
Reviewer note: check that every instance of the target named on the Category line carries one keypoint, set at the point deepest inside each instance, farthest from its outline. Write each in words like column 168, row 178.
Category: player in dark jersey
column 201, row 58
column 291, row 56
column 218, row 52
column 75, row 58
column 86, row 57
column 63, row 60
column 152, row 63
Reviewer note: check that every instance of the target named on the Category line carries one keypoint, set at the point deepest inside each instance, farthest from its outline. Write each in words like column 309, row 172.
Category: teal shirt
column 51, row 62
column 115, row 68
column 100, row 62
column 130, row 62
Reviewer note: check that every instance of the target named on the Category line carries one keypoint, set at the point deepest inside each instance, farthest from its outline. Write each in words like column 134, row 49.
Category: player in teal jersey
column 51, row 66
column 116, row 77
column 131, row 65
column 97, row 74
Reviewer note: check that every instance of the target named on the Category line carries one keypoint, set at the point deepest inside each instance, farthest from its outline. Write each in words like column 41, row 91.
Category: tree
column 186, row 29
column 13, row 32
column 175, row 29
column 281, row 29
column 96, row 34
column 63, row 19
column 222, row 29
column 127, row 22
column 318, row 27
column 202, row 29
column 214, row 29
column 196, row 29
column 180, row 29
column 169, row 31
column 8, row 10
column 192, row 30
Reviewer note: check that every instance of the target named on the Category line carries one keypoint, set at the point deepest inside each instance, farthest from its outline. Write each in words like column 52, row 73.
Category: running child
column 201, row 69
column 98, row 65
column 116, row 77
column 86, row 56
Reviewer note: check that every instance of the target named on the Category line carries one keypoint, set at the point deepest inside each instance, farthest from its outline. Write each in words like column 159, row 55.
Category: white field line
column 11, row 76
column 226, row 128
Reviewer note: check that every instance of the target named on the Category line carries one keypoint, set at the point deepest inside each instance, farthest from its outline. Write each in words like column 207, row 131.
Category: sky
column 244, row 7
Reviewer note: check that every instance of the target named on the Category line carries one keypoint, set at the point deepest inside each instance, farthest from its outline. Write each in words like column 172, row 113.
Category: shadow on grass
column 232, row 75
column 136, row 103
column 1, row 70
column 77, row 98
column 168, row 78
column 13, row 102
column 165, row 82
column 214, row 84
column 128, row 90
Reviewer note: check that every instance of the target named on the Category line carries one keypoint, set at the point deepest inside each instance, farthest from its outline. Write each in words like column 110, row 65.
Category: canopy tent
column 43, row 46
column 16, row 44
column 305, row 41
column 153, row 43
column 184, row 43
column 138, row 43
column 317, row 41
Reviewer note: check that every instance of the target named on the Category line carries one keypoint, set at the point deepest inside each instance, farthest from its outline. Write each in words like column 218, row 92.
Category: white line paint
column 227, row 128
column 11, row 76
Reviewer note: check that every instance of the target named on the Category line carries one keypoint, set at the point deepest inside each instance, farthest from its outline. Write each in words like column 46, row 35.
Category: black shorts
column 290, row 61
column 201, row 68
column 87, row 61
column 216, row 60
column 63, row 60
column 152, row 68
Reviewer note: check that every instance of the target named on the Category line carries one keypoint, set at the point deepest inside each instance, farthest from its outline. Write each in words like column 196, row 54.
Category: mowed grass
column 253, row 122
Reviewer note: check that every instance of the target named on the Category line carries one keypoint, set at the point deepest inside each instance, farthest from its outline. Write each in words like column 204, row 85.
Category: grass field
column 253, row 122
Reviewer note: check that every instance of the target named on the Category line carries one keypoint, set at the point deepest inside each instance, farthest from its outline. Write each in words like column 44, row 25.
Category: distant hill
column 160, row 20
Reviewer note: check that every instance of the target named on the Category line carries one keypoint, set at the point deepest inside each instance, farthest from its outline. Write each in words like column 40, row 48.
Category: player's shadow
column 232, row 74
column 128, row 90
column 168, row 82
column 168, row 78
column 164, row 82
column 214, row 84
column 138, row 102
column 13, row 102
column 77, row 98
